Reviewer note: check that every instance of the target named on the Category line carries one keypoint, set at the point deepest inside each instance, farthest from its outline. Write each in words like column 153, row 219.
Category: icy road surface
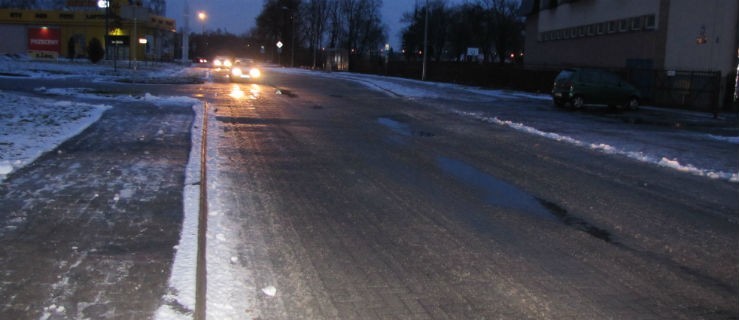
column 411, row 200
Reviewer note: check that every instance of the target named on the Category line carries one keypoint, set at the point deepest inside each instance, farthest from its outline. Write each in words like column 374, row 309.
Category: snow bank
column 179, row 302
column 605, row 148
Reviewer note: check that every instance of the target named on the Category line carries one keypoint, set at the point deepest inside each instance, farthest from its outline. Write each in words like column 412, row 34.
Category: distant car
column 200, row 60
column 222, row 68
column 244, row 69
column 222, row 62
column 577, row 87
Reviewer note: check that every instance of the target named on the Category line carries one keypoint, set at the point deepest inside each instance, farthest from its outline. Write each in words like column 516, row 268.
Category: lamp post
column 425, row 42
column 105, row 4
column 202, row 16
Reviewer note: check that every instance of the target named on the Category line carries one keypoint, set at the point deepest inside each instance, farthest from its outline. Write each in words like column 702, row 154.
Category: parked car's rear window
column 564, row 74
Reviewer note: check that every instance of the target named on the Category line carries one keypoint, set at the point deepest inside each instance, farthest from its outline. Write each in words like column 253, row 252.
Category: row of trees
column 356, row 26
column 491, row 26
column 310, row 25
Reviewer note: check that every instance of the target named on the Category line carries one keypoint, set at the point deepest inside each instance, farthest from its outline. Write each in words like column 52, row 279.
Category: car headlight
column 227, row 63
column 255, row 73
column 217, row 63
column 236, row 72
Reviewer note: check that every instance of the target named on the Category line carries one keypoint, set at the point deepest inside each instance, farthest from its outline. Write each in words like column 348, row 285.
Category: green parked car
column 577, row 87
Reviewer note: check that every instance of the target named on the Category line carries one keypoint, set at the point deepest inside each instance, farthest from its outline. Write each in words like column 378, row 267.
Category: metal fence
column 680, row 89
column 693, row 90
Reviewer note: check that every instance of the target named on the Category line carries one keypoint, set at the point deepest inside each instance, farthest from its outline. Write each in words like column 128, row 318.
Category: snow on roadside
column 30, row 126
column 105, row 71
column 661, row 161
column 179, row 302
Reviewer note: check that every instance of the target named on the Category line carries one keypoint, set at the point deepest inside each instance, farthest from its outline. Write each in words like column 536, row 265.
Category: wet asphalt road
column 354, row 204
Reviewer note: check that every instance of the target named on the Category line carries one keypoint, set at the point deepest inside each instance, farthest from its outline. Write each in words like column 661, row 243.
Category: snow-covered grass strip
column 30, row 127
column 605, row 148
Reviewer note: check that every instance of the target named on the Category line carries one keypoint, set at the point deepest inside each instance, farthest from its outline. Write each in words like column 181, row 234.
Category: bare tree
column 361, row 25
column 504, row 24
column 316, row 14
column 439, row 24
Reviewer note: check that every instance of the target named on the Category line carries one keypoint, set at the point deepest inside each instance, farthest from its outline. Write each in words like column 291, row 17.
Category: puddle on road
column 395, row 125
column 505, row 195
column 399, row 124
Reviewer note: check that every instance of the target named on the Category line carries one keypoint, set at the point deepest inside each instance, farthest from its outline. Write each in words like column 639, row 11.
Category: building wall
column 15, row 39
column 610, row 34
column 715, row 22
column 588, row 12
column 660, row 34
column 84, row 25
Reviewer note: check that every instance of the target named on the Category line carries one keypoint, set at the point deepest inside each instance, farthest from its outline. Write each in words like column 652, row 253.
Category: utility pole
column 425, row 42
column 186, row 34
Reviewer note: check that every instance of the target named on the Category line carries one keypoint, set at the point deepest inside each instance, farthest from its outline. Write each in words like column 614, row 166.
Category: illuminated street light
column 105, row 4
column 202, row 16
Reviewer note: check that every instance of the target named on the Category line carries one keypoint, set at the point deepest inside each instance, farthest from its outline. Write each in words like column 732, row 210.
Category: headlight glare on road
column 236, row 72
column 236, row 92
column 255, row 73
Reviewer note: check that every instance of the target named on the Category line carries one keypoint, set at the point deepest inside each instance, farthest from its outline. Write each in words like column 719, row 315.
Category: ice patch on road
column 605, row 148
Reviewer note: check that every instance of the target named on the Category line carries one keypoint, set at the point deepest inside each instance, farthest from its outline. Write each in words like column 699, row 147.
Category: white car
column 245, row 69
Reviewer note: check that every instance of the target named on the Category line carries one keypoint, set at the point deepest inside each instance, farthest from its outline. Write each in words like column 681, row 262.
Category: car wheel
column 578, row 102
column 633, row 103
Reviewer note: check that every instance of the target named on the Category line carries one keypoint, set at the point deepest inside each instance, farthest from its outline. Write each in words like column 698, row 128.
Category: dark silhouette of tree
column 315, row 15
column 279, row 21
column 439, row 24
column 492, row 26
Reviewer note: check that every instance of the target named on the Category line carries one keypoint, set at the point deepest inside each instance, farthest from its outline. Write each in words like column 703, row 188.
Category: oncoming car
column 577, row 87
column 222, row 67
column 244, row 69
column 222, row 62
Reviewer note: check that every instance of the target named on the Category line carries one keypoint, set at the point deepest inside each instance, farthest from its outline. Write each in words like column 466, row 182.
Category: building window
column 650, row 22
column 637, row 23
column 612, row 26
column 601, row 28
column 591, row 30
column 581, row 31
column 623, row 25
column 41, row 16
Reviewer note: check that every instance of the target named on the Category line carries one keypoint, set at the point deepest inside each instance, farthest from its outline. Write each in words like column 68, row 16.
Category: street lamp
column 202, row 16
column 105, row 4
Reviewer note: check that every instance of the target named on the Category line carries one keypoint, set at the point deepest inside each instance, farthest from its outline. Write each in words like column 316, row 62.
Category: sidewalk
column 88, row 230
